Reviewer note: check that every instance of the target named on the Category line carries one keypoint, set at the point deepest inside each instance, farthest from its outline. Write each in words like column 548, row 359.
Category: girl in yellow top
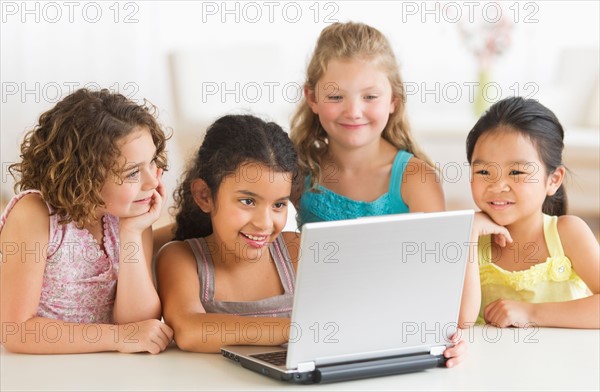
column 550, row 274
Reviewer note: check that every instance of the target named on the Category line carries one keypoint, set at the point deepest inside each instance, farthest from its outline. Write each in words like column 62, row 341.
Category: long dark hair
column 230, row 142
column 538, row 123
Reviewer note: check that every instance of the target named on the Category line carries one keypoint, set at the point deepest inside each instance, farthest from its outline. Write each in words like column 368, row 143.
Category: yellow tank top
column 551, row 281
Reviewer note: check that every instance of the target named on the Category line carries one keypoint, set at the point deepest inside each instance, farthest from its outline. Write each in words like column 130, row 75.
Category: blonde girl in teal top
column 550, row 275
column 356, row 152
column 351, row 128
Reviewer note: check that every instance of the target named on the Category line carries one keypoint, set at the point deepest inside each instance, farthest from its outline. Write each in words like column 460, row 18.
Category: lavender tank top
column 277, row 306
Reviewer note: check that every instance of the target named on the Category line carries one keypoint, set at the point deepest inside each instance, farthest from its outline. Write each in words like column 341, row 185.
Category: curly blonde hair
column 74, row 147
column 343, row 41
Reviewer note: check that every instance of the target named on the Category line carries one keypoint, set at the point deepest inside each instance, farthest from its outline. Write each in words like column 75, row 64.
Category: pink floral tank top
column 80, row 278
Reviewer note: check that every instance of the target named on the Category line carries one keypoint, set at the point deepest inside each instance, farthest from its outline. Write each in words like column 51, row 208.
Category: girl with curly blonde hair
column 77, row 238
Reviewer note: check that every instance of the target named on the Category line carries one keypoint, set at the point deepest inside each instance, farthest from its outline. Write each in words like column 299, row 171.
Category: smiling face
column 131, row 193
column 248, row 212
column 353, row 100
column 508, row 180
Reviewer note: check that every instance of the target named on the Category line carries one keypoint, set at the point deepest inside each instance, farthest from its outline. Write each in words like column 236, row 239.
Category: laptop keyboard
column 276, row 358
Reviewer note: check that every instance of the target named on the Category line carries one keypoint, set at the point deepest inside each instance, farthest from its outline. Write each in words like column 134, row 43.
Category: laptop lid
column 379, row 286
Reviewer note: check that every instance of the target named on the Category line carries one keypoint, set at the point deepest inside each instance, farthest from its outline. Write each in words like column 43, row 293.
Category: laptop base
column 378, row 368
column 346, row 371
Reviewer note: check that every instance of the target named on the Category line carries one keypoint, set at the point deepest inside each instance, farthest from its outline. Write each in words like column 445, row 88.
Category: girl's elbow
column 182, row 341
column 154, row 311
column 467, row 322
column 468, row 317
column 135, row 318
column 16, row 335
column 189, row 341
column 14, row 344
column 125, row 316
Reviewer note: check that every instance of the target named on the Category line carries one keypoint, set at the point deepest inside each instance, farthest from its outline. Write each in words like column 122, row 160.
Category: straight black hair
column 538, row 123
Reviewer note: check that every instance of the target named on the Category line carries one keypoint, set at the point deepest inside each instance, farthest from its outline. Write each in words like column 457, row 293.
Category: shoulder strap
column 398, row 168
column 551, row 236
column 283, row 262
column 205, row 268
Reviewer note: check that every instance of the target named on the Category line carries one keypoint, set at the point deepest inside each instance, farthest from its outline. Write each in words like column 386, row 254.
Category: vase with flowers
column 486, row 39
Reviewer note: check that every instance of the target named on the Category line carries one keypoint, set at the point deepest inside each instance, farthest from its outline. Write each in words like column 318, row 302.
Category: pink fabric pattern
column 80, row 277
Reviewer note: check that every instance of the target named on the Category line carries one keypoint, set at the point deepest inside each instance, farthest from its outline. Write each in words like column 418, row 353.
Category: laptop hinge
column 306, row 367
column 437, row 350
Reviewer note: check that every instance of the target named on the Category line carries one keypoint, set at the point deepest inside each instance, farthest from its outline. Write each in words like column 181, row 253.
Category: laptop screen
column 378, row 286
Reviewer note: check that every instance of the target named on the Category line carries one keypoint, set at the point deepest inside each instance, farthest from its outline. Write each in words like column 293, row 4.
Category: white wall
column 47, row 48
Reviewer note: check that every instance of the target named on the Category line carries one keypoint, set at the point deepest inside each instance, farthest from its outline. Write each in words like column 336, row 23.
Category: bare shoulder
column 31, row 206
column 573, row 231
column 177, row 281
column 581, row 247
column 421, row 187
column 29, row 215
column 174, row 254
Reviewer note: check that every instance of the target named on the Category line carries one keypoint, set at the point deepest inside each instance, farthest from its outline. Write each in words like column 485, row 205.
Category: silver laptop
column 374, row 296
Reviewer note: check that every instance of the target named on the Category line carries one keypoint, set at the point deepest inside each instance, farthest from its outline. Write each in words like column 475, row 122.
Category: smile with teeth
column 255, row 237
column 500, row 205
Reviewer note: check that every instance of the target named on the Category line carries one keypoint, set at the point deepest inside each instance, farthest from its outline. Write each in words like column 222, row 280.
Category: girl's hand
column 142, row 222
column 484, row 225
column 151, row 336
column 506, row 313
column 455, row 354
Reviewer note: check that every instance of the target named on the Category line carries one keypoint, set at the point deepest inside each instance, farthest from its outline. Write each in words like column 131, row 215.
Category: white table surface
column 497, row 359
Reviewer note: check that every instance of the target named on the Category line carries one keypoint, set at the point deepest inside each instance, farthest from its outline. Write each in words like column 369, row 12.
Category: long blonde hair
column 349, row 41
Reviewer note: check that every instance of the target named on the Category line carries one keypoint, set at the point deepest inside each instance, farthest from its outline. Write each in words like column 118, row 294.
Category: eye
column 483, row 172
column 515, row 172
column 371, row 97
column 334, row 98
column 280, row 205
column 247, row 202
column 133, row 175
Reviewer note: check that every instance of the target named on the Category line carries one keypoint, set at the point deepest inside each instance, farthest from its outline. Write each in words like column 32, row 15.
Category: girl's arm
column 137, row 298
column 421, row 187
column 195, row 330
column 39, row 335
column 471, row 294
column 24, row 241
column 581, row 248
column 471, row 299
